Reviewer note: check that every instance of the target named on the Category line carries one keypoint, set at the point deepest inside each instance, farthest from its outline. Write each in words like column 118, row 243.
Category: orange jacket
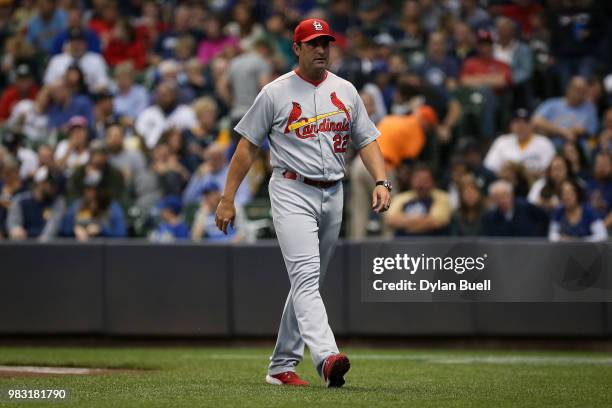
column 401, row 137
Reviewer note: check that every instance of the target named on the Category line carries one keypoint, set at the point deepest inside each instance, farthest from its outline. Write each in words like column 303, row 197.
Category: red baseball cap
column 310, row 29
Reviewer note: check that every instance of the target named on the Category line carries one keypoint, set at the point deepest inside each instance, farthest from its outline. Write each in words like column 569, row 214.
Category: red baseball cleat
column 334, row 368
column 286, row 378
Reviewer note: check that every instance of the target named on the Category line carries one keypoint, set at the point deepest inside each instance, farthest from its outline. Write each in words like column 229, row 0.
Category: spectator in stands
column 471, row 154
column 544, row 191
column 488, row 76
column 130, row 99
column 204, row 226
column 439, row 68
column 171, row 226
column 165, row 114
column 123, row 45
column 247, row 74
column 244, row 26
column 512, row 217
column 206, row 131
column 166, row 43
column 10, row 185
column 577, row 159
column 103, row 113
column 216, row 42
column 46, row 159
column 574, row 219
column 170, row 71
column 402, row 137
column 140, row 180
column 195, row 80
column 516, row 174
column 413, row 92
column 94, row 215
column 276, row 33
column 73, row 152
column 467, row 220
column 463, row 42
column 75, row 81
column 214, row 169
column 97, row 172
column 424, row 210
column 516, row 54
column 65, row 105
column 104, row 20
column 576, row 30
column 30, row 117
column 24, row 87
column 92, row 64
column 75, row 21
column 170, row 173
column 38, row 212
column 600, row 187
column 475, row 16
column 149, row 25
column 604, row 141
column 522, row 146
column 179, row 147
column 411, row 37
column 27, row 160
column 48, row 23
column 568, row 118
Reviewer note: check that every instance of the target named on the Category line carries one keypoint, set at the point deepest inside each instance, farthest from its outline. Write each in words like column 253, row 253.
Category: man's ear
column 297, row 47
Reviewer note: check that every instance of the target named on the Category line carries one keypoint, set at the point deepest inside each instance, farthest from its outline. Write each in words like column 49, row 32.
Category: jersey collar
column 314, row 83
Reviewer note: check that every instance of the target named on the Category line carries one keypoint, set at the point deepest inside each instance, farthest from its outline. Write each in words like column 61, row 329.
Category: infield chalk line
column 446, row 359
column 49, row 370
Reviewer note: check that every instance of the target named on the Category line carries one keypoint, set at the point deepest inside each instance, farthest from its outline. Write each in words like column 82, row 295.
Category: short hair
column 421, row 166
column 126, row 67
column 203, row 104
column 501, row 184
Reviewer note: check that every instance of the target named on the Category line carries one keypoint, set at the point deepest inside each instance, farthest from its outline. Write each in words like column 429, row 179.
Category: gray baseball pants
column 307, row 222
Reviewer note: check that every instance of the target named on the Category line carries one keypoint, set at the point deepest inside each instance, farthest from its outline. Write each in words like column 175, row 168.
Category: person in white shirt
column 534, row 152
column 72, row 152
column 92, row 64
column 163, row 115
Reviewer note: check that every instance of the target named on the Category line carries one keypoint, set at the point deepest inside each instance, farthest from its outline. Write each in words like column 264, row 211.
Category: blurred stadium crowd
column 117, row 116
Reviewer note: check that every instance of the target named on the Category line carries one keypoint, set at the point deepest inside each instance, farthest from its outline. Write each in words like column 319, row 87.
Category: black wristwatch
column 385, row 183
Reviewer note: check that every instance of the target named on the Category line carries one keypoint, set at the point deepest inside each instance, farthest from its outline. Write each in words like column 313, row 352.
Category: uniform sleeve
column 256, row 124
column 363, row 130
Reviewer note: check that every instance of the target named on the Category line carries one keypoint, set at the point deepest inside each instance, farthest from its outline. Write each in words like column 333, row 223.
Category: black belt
column 291, row 175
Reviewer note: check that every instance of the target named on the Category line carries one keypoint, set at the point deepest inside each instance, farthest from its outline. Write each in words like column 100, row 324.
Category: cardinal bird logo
column 338, row 104
column 306, row 128
column 296, row 112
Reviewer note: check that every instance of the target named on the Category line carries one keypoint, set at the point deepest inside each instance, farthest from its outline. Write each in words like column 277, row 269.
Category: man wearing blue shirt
column 568, row 118
column 66, row 105
column 43, row 28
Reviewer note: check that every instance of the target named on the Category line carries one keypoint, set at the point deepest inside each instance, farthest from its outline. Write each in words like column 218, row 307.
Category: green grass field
column 234, row 377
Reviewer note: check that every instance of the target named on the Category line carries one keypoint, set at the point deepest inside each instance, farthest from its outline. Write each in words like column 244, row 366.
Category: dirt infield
column 35, row 371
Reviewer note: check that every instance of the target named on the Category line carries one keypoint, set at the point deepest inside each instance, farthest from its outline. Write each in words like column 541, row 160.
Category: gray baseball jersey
column 309, row 126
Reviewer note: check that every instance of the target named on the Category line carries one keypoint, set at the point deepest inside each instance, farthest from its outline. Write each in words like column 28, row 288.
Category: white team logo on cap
column 318, row 26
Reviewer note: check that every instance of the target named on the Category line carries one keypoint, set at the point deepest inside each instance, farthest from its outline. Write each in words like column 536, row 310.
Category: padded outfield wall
column 124, row 288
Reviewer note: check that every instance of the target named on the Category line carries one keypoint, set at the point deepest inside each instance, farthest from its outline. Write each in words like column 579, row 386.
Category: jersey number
column 340, row 143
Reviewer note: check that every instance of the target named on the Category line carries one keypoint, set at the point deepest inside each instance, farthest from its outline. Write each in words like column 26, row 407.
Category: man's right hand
column 225, row 215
